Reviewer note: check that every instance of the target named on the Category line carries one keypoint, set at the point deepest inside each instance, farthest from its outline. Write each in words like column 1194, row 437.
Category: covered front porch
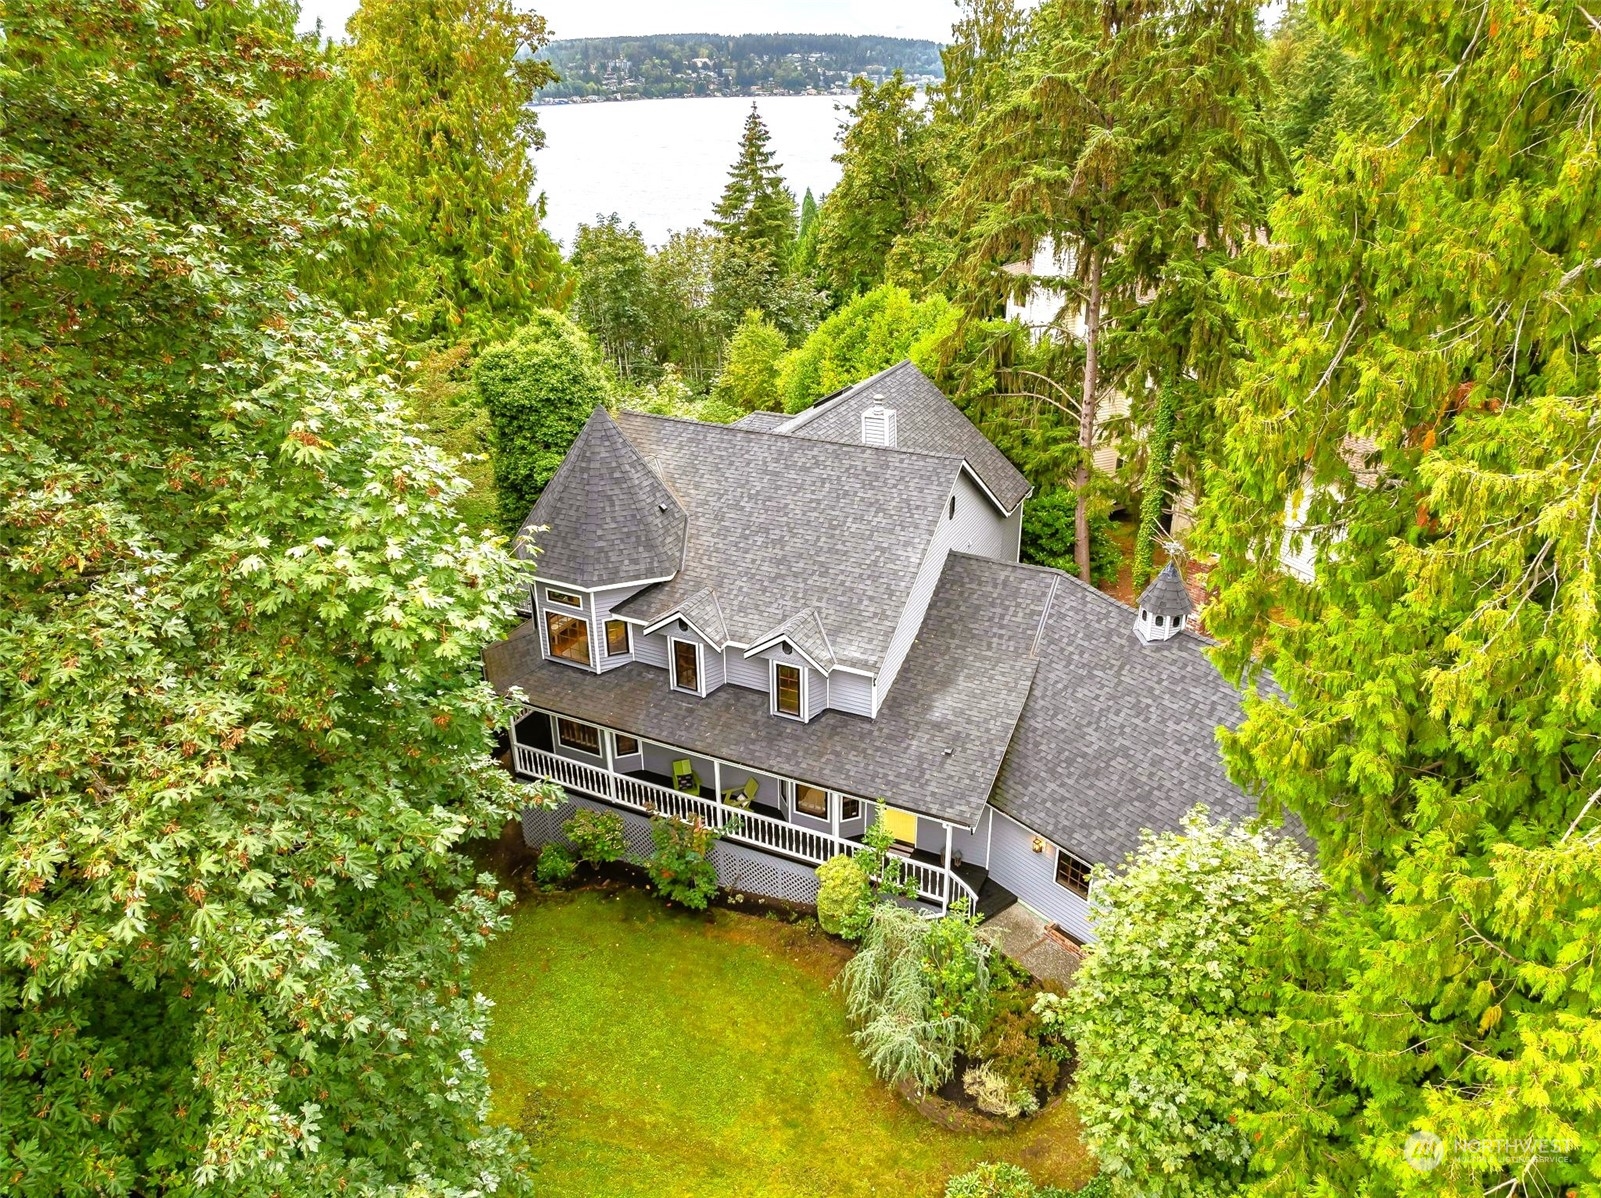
column 786, row 817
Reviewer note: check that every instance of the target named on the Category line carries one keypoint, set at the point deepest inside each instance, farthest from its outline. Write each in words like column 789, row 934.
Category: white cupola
column 1165, row 607
column 878, row 424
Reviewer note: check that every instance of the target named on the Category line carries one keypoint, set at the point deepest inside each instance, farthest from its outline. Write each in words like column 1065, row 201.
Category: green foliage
column 555, row 865
column 680, row 868
column 869, row 334
column 995, row 1094
column 1434, row 292
column 1321, row 90
column 749, row 380
column 803, row 260
column 1171, row 1011
column 244, row 731
column 1048, row 536
column 669, row 395
column 612, row 301
column 914, row 990
column 443, row 405
column 686, row 330
column 443, row 140
column 997, row 1179
column 844, row 896
column 1154, row 490
column 885, row 184
column 596, row 836
column 538, row 386
column 1137, row 145
column 756, row 210
column 1018, row 1043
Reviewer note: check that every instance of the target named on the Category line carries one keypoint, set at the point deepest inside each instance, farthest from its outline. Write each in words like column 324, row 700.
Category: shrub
column 997, row 1179
column 905, row 1031
column 1018, row 1044
column 681, row 868
column 844, row 889
column 955, row 960
column 555, row 866
column 1173, row 1005
column 996, row 1094
column 1049, row 536
column 596, row 836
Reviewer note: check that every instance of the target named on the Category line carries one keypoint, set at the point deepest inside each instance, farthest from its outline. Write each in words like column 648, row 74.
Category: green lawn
column 654, row 1052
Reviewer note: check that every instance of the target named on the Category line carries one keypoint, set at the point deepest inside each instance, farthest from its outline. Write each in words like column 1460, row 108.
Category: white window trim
column 1056, row 872
column 672, row 666
column 772, row 691
column 552, row 591
column 829, row 799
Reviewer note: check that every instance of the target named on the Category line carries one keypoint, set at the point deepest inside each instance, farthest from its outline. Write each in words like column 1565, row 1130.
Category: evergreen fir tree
column 756, row 212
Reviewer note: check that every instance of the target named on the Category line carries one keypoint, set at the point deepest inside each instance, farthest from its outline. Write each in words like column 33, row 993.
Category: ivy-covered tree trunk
column 1158, row 466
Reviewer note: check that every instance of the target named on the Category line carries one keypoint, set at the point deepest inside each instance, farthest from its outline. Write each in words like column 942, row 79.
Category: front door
column 902, row 826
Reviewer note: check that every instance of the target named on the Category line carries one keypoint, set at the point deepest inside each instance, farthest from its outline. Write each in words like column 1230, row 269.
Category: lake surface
column 662, row 163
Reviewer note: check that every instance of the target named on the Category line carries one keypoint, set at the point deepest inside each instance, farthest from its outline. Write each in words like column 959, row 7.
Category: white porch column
column 945, row 904
column 608, row 747
column 717, row 780
column 835, row 801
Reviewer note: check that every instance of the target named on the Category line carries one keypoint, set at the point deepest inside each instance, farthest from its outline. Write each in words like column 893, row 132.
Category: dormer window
column 787, row 690
column 686, row 666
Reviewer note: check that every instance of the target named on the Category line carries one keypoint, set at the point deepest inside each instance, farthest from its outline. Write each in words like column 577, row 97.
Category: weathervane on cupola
column 1165, row 607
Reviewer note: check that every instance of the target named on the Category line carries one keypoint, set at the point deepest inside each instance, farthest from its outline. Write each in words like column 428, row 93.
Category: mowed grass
column 650, row 1051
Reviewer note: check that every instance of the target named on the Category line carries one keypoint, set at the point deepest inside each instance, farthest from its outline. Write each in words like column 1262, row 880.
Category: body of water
column 662, row 163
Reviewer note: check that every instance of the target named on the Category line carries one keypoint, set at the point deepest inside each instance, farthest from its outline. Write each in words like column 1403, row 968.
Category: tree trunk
column 1086, row 423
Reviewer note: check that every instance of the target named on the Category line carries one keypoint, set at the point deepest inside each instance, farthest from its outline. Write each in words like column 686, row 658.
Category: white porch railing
column 934, row 882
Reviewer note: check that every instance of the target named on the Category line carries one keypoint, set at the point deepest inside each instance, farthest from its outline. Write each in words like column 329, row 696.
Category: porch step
column 993, row 898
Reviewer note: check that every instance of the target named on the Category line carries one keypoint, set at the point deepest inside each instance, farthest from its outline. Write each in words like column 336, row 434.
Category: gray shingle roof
column 1167, row 595
column 762, row 422
column 925, row 420
column 781, row 524
column 1117, row 736
column 609, row 518
column 705, row 614
column 805, row 631
column 934, row 748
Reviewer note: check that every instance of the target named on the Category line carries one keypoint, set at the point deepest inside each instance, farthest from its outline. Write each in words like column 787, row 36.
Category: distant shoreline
column 583, row 101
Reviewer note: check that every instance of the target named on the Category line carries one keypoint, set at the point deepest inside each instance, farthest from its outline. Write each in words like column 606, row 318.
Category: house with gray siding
column 785, row 625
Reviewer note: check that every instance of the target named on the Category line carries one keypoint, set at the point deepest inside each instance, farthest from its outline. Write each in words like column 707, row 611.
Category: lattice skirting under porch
column 738, row 868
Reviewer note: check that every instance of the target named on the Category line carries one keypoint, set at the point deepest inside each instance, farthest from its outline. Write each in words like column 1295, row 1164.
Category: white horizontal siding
column 816, row 693
column 851, row 693
column 1032, row 877
column 651, row 650
column 979, row 528
column 749, row 672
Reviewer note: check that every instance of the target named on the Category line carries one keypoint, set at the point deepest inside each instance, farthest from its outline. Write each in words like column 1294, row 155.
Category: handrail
column 737, row 824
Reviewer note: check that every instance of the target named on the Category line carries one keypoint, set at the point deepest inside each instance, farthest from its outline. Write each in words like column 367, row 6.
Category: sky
column 929, row 19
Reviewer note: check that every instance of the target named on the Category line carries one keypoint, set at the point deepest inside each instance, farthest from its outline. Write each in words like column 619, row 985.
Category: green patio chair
column 742, row 796
column 684, row 777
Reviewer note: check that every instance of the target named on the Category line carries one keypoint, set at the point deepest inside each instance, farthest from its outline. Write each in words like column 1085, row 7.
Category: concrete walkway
column 1021, row 935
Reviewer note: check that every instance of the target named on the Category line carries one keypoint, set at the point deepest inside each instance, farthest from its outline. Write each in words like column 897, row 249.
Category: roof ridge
column 747, row 431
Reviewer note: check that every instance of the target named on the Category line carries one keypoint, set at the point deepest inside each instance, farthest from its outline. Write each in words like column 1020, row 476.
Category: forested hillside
column 704, row 64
